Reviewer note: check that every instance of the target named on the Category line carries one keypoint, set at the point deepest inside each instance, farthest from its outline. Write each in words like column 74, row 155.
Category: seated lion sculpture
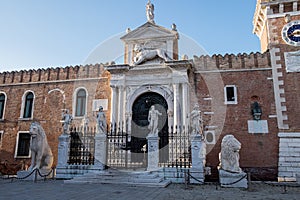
column 41, row 154
column 229, row 156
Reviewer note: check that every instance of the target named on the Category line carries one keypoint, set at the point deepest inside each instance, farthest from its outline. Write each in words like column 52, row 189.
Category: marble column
column 185, row 109
column 120, row 106
column 176, row 103
column 153, row 152
column 128, row 124
column 114, row 111
column 198, row 147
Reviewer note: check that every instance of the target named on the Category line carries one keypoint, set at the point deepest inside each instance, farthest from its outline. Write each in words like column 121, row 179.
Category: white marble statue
column 41, row 154
column 143, row 54
column 101, row 121
column 153, row 120
column 229, row 155
column 196, row 120
column 67, row 119
column 150, row 12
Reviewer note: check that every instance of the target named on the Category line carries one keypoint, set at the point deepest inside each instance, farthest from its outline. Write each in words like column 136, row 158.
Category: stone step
column 162, row 184
column 147, row 179
column 120, row 179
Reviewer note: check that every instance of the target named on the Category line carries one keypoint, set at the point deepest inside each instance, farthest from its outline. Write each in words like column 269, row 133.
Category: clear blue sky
column 56, row 33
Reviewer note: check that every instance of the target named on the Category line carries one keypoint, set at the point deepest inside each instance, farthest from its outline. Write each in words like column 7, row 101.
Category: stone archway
column 139, row 125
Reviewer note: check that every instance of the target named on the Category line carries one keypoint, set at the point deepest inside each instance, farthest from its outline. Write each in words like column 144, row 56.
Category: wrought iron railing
column 175, row 149
column 122, row 151
column 178, row 148
column 82, row 146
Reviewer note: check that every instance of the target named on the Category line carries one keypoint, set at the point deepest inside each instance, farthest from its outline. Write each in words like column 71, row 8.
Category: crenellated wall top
column 53, row 74
column 232, row 62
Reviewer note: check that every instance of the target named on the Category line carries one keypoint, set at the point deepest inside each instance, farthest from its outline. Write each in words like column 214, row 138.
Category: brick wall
column 49, row 87
column 252, row 75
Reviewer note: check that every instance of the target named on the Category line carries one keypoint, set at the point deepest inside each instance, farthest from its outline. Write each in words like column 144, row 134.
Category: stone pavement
column 57, row 189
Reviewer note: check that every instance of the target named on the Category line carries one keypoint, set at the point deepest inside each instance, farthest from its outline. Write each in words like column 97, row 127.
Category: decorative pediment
column 149, row 31
column 149, row 41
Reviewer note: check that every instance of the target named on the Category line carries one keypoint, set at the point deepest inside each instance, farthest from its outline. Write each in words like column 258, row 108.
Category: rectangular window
column 230, row 94
column 1, row 138
column 23, row 145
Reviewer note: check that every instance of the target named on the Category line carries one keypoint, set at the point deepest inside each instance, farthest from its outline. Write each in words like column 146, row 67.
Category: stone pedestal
column 233, row 180
column 100, row 151
column 198, row 148
column 153, row 152
column 63, row 155
column 63, row 149
column 29, row 176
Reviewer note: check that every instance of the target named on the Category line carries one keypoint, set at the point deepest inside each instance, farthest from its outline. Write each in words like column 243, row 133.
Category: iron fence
column 178, row 150
column 82, row 146
column 126, row 151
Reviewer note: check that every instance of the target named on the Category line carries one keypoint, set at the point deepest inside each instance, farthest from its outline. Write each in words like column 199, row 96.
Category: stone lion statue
column 41, row 154
column 143, row 54
column 229, row 155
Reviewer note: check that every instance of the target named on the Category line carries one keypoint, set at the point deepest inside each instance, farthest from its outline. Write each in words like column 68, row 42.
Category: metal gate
column 82, row 146
column 121, row 151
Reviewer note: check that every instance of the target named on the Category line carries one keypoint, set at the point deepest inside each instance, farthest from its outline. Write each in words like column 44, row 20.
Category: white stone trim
column 232, row 70
column 208, row 113
column 213, row 135
column 280, row 15
column 17, row 144
column 23, row 105
column 4, row 107
column 289, row 156
column 1, row 138
column 272, row 116
column 235, row 95
column 207, row 99
column 289, row 135
column 163, row 91
column 279, row 93
column 58, row 90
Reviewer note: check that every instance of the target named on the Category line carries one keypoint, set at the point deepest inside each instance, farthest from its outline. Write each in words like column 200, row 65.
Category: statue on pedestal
column 101, row 121
column 67, row 119
column 153, row 120
column 41, row 154
column 196, row 121
column 230, row 173
column 229, row 156
column 150, row 12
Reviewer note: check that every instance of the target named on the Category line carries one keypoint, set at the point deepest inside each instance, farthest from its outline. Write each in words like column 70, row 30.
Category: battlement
column 52, row 74
column 232, row 62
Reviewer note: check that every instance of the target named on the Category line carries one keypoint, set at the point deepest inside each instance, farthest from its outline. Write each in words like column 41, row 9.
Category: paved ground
column 56, row 189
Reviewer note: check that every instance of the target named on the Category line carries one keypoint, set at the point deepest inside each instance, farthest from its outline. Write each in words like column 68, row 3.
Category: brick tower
column 277, row 24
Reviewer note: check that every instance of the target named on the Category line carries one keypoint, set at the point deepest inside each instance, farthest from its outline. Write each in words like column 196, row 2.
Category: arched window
column 80, row 103
column 28, row 105
column 2, row 105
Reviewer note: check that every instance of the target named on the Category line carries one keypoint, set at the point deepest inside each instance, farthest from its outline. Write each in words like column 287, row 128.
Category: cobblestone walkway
column 56, row 189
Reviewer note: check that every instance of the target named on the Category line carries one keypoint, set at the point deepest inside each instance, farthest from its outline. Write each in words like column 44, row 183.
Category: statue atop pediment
column 150, row 12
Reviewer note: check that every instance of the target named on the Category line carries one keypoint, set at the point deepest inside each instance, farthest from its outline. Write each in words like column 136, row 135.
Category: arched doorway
column 139, row 126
